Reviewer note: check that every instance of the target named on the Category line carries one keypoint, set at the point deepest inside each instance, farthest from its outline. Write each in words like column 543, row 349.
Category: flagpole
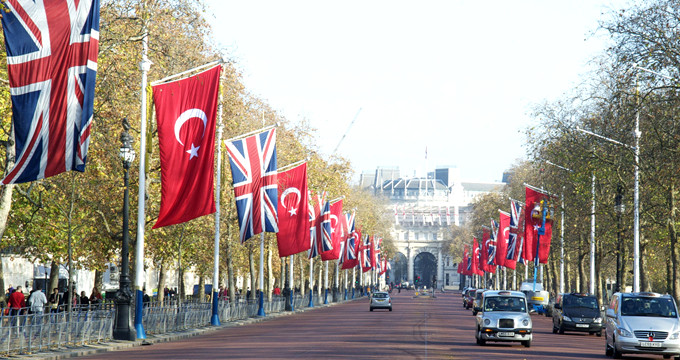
column 252, row 133
column 215, row 319
column 311, row 282
column 325, row 283
column 260, row 311
column 186, row 72
column 336, row 286
column 291, row 286
column 354, row 279
column 144, row 65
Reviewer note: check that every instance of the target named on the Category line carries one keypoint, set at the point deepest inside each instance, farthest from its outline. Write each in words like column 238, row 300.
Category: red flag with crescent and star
column 502, row 238
column 186, row 110
column 293, row 235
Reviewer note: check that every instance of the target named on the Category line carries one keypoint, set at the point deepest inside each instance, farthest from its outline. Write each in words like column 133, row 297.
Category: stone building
column 422, row 209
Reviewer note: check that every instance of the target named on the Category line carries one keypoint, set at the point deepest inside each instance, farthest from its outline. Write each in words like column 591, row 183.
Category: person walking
column 38, row 300
column 95, row 297
column 17, row 301
column 55, row 299
column 84, row 301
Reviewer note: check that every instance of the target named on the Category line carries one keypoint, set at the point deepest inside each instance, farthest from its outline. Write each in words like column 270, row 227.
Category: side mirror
column 610, row 313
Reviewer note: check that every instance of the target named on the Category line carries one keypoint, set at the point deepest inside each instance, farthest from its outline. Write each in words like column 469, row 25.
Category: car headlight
column 623, row 332
column 566, row 318
column 598, row 320
column 674, row 336
column 487, row 322
column 525, row 322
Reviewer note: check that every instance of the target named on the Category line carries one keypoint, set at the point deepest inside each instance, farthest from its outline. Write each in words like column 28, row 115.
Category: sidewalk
column 113, row 345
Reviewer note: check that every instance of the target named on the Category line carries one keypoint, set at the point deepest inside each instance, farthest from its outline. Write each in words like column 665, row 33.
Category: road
column 418, row 328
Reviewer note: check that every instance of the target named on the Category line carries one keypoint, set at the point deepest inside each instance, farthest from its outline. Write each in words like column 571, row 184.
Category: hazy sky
column 457, row 77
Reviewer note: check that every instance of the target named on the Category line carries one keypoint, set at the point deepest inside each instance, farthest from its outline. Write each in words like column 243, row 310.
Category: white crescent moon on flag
column 506, row 233
column 291, row 190
column 185, row 116
column 333, row 225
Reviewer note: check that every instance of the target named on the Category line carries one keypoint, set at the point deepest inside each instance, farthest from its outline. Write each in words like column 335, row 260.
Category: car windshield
column 380, row 295
column 648, row 306
column 587, row 302
column 505, row 303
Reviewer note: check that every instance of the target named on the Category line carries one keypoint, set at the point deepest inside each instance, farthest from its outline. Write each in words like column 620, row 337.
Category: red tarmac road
column 418, row 328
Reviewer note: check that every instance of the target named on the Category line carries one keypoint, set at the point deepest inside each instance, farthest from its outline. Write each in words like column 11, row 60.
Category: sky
column 458, row 78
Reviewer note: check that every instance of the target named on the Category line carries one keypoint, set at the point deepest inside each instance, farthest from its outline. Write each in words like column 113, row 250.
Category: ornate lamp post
column 124, row 329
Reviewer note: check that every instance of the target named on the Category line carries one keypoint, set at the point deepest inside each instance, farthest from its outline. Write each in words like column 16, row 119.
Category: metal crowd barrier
column 30, row 333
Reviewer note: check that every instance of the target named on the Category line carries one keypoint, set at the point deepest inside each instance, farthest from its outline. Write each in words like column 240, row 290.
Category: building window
column 417, row 236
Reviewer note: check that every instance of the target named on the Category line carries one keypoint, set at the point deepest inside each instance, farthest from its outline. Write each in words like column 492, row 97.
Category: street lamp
column 124, row 329
column 636, row 196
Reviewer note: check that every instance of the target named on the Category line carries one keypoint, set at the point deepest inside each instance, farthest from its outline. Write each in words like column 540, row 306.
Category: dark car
column 577, row 312
column 469, row 298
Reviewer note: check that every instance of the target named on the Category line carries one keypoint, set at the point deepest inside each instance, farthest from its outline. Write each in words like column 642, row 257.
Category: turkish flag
column 293, row 235
column 186, row 111
column 476, row 269
column 533, row 223
column 337, row 232
column 502, row 238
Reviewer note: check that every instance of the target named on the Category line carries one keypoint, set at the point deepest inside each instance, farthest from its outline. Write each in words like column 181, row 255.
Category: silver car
column 642, row 323
column 503, row 316
column 380, row 300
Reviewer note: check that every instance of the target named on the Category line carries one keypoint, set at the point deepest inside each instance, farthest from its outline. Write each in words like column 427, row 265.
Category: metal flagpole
column 325, row 282
column 592, row 241
column 260, row 311
column 562, row 246
column 311, row 283
column 345, row 298
column 215, row 318
column 144, row 65
column 291, row 286
column 354, row 279
column 336, row 286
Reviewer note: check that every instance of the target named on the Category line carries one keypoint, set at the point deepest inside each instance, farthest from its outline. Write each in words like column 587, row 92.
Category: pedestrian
column 84, row 301
column 55, row 299
column 38, row 300
column 277, row 291
column 95, row 297
column 17, row 301
column 146, row 300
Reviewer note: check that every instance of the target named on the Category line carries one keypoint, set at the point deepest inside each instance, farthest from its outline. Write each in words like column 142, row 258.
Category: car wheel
column 371, row 309
column 561, row 330
column 526, row 343
column 480, row 341
column 607, row 349
column 615, row 353
column 599, row 334
column 390, row 309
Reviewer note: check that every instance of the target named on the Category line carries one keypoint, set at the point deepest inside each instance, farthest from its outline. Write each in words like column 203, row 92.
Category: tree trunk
column 161, row 282
column 201, row 288
column 645, row 285
column 230, row 265
column 253, row 275
column 6, row 199
column 302, row 274
column 568, row 285
column 582, row 286
column 669, row 277
column 54, row 277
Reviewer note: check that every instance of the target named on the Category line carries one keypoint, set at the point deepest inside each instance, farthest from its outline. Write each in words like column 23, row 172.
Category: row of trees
column 38, row 220
column 608, row 102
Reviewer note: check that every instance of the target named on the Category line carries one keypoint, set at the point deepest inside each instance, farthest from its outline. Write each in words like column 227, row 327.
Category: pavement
column 116, row 345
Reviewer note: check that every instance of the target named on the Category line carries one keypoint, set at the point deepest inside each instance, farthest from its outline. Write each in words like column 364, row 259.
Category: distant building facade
column 422, row 209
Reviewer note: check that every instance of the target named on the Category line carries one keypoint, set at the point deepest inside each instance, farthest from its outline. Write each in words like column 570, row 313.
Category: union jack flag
column 349, row 250
column 491, row 244
column 515, row 217
column 52, row 48
column 314, row 216
column 366, row 256
column 253, row 168
column 326, row 229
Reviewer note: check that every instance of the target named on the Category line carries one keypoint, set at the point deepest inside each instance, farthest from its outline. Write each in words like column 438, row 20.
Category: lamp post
column 124, row 329
column 636, row 196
